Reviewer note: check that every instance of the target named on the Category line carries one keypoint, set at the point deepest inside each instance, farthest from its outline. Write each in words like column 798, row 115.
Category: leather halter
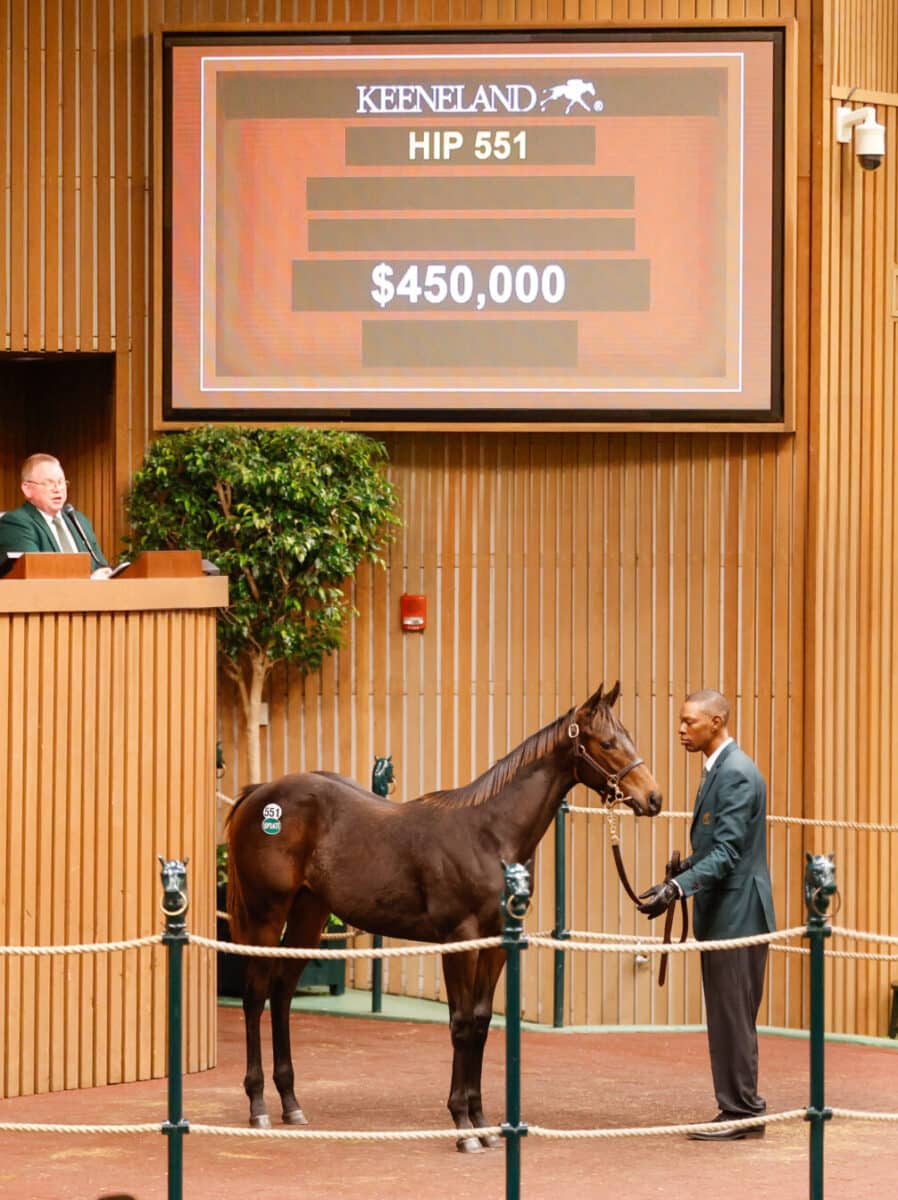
column 609, row 789
column 612, row 795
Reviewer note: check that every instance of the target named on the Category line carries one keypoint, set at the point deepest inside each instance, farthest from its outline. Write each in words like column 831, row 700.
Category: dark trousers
column 733, row 981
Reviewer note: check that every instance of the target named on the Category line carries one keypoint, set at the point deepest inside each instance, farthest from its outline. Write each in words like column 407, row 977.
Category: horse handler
column 728, row 877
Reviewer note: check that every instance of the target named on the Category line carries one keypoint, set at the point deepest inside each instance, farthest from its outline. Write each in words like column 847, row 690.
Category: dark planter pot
column 326, row 972
column 329, row 973
column 231, row 967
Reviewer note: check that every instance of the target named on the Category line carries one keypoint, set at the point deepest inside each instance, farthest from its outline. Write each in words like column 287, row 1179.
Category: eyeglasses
column 49, row 483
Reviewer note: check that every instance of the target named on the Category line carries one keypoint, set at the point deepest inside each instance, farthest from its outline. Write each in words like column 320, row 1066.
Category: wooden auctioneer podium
column 107, row 759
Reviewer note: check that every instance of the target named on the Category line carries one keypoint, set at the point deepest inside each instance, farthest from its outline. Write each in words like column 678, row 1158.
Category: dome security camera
column 869, row 135
column 870, row 144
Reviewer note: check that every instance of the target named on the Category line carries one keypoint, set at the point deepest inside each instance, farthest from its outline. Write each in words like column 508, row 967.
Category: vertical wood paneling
column 865, row 45
column 124, row 699
column 853, row 501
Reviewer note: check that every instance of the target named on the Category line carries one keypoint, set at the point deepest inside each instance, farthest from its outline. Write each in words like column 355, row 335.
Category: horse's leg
column 489, row 968
column 459, row 971
column 255, row 990
column 307, row 918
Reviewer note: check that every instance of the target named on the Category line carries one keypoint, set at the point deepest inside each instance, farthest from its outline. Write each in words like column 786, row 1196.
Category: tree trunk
column 250, row 674
column 253, row 713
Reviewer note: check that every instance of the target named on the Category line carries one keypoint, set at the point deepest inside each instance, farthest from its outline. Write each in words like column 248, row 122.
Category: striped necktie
column 701, row 786
column 65, row 539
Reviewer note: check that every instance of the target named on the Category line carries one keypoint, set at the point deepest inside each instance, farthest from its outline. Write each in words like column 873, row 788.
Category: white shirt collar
column 712, row 758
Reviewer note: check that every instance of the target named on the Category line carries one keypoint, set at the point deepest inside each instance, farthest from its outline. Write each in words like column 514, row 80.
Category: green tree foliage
column 288, row 514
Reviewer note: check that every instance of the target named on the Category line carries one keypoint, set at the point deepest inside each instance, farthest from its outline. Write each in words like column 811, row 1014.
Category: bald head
column 703, row 721
column 712, row 702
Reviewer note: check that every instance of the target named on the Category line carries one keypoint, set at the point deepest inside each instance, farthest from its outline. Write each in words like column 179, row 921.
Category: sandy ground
column 364, row 1073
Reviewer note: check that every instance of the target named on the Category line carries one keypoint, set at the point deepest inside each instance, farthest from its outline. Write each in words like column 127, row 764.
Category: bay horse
column 429, row 870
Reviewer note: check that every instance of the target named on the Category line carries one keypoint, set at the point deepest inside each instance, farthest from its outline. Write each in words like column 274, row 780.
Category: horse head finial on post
column 516, row 901
column 819, row 885
column 174, row 888
column 383, row 775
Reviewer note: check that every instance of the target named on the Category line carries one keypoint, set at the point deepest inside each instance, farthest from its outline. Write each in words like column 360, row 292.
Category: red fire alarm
column 413, row 613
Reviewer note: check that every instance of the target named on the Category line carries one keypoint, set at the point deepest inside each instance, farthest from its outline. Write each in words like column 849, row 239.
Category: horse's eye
column 608, row 745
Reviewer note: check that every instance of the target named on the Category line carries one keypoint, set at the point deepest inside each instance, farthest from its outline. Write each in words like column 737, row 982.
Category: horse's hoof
column 295, row 1117
column 490, row 1141
column 261, row 1121
column 469, row 1145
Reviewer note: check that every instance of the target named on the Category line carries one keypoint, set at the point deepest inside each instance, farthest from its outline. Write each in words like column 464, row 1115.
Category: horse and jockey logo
column 574, row 92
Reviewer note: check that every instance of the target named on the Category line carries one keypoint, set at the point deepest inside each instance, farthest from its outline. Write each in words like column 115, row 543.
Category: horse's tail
column 247, row 791
column 236, row 901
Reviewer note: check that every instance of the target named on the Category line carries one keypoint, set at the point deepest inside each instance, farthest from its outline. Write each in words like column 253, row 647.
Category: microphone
column 69, row 510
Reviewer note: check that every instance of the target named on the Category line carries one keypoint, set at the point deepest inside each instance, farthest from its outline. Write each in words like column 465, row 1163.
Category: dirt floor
column 358, row 1073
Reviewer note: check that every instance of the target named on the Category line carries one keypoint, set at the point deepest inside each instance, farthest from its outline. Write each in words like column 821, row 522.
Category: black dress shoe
column 727, row 1135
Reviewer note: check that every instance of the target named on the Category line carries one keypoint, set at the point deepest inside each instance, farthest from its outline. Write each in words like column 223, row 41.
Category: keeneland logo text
column 458, row 98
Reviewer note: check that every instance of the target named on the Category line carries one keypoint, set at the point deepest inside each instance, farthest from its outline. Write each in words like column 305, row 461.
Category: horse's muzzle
column 653, row 802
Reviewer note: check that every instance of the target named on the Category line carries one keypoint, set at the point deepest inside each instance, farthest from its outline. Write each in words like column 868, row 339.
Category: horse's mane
column 494, row 779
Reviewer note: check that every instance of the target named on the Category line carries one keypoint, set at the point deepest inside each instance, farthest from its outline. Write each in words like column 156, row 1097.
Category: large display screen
column 466, row 230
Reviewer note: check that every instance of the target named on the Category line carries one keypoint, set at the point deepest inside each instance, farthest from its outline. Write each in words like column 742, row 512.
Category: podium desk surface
column 112, row 595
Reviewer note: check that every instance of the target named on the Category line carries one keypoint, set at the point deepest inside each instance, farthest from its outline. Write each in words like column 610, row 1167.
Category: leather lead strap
column 669, row 918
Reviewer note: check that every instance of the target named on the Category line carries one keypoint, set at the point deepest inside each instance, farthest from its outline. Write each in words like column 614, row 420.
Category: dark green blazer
column 727, row 871
column 25, row 529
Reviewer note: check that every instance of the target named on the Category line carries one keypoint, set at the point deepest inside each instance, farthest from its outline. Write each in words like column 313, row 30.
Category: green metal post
column 174, row 905
column 381, row 784
column 560, row 931
column 819, row 887
column 515, row 903
column 377, row 976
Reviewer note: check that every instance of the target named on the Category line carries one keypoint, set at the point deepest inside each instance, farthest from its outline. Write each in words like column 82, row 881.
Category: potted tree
column 288, row 514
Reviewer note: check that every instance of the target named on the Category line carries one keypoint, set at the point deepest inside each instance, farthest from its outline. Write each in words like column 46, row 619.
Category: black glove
column 658, row 899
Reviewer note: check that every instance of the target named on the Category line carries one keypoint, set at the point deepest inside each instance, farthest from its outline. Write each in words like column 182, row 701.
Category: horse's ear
column 810, row 856
column 611, row 698
column 594, row 700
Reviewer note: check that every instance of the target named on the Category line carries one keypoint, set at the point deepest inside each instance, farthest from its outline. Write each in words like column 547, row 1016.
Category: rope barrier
column 620, row 943
column 817, row 822
column 35, row 1127
column 882, row 939
column 794, row 1114
column 350, row 1135
column 653, row 947
column 581, row 935
column 88, row 948
column 421, row 1135
column 855, row 1115
column 313, row 951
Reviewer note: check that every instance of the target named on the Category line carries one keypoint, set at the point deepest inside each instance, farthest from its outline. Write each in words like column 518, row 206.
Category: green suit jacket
column 25, row 529
column 727, row 872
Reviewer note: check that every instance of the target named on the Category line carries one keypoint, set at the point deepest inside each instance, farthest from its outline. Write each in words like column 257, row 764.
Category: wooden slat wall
column 700, row 554
column 853, row 697
column 864, row 44
column 123, row 699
